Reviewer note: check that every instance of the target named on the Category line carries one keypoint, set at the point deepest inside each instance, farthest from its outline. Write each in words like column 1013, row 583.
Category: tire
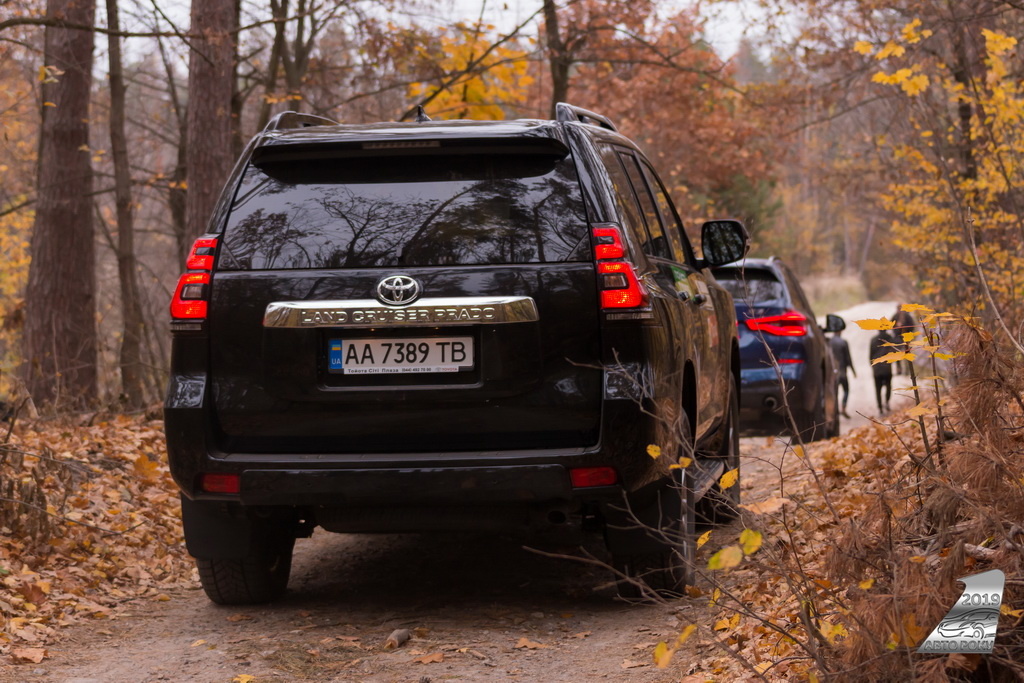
column 668, row 569
column 261, row 576
column 811, row 424
column 836, row 426
column 717, row 506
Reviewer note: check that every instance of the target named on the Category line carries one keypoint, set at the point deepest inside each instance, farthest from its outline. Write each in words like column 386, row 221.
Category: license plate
column 399, row 356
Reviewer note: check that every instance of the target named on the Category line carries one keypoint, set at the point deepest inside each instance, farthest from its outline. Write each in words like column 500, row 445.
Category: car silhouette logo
column 972, row 624
column 398, row 290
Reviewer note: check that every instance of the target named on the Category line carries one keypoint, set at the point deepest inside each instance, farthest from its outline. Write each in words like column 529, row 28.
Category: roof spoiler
column 293, row 119
column 567, row 112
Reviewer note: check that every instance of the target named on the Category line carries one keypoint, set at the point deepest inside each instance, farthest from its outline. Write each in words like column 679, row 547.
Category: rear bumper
column 524, row 484
column 762, row 408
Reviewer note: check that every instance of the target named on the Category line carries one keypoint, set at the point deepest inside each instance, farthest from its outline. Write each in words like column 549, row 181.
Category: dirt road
column 480, row 608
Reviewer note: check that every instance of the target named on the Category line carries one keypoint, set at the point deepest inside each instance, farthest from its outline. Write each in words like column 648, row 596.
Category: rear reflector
column 220, row 483
column 189, row 301
column 788, row 324
column 790, row 361
column 588, row 477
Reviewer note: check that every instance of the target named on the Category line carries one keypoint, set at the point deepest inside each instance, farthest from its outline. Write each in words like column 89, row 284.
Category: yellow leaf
column 750, row 540
column 798, row 450
column 863, row 47
column 654, row 451
column 872, row 324
column 1005, row 609
column 721, row 625
column 866, row 584
column 726, row 558
column 703, row 538
column 894, row 357
column 685, row 635
column 762, row 667
column 715, row 594
column 880, row 77
column 909, row 336
column 891, row 49
column 946, row 356
column 915, row 85
column 997, row 43
column 198, row 643
column 662, row 655
column 914, row 308
column 728, row 479
column 921, row 409
column 766, row 507
column 49, row 104
column 243, row 678
column 684, row 461
column 918, row 559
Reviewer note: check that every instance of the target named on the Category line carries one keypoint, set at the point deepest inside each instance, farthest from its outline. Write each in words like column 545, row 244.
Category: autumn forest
column 877, row 147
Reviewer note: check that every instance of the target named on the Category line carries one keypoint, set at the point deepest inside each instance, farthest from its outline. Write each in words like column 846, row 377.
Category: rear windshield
column 753, row 285
column 407, row 211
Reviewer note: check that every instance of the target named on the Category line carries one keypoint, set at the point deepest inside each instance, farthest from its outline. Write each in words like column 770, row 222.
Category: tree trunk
column 558, row 57
column 210, row 90
column 132, row 370
column 60, row 324
column 279, row 8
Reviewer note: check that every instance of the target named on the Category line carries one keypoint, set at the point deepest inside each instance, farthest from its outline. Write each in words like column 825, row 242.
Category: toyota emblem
column 398, row 290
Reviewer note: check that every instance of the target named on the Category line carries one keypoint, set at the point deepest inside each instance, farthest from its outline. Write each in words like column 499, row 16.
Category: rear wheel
column 718, row 506
column 260, row 576
column 811, row 423
column 665, row 563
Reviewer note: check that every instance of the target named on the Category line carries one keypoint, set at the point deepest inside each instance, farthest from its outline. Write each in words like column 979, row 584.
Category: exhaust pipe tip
column 771, row 403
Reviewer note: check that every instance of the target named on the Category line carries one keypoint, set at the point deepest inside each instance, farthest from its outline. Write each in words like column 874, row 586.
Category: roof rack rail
column 293, row 119
column 569, row 112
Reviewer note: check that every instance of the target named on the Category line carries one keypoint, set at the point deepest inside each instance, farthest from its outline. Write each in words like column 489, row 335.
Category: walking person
column 843, row 362
column 903, row 321
column 882, row 371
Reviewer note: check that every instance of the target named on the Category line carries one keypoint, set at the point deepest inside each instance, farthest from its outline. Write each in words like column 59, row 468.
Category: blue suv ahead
column 774, row 320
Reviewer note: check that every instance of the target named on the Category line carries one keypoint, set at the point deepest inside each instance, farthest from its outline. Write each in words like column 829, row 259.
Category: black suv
column 450, row 325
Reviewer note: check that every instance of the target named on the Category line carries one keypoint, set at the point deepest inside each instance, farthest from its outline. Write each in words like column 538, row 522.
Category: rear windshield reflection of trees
column 490, row 211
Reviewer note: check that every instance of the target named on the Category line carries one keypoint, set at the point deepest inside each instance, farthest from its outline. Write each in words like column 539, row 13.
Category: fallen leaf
column 243, row 678
column 582, row 634
column 198, row 643
column 29, row 654
column 430, row 659
column 630, row 664
column 766, row 507
column 529, row 645
column 239, row 617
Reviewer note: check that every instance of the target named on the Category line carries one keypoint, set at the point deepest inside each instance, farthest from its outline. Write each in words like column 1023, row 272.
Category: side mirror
column 724, row 241
column 833, row 323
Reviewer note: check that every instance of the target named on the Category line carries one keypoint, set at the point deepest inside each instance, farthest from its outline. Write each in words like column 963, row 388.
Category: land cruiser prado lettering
column 449, row 325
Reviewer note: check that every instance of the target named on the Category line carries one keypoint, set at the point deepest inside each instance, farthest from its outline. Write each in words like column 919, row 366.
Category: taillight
column 620, row 287
column 190, row 296
column 607, row 242
column 201, row 256
column 788, row 324
column 193, row 290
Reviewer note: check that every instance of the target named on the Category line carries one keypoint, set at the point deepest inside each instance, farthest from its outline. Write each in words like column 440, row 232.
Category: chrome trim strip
column 469, row 310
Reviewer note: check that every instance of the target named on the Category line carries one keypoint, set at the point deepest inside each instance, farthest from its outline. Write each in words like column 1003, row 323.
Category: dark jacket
column 841, row 354
column 877, row 350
